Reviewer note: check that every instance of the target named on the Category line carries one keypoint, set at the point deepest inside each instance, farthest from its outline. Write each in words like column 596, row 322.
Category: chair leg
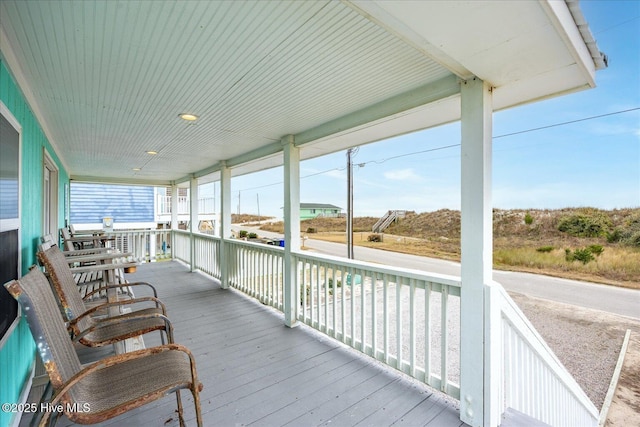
column 44, row 398
column 180, row 411
column 196, row 402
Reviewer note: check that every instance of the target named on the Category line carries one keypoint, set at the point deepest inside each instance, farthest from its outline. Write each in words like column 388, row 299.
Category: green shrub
column 584, row 255
column 243, row 234
column 596, row 249
column 312, row 230
column 568, row 255
column 589, row 223
column 545, row 249
column 528, row 219
column 628, row 234
column 374, row 238
column 330, row 283
column 253, row 236
column 614, row 236
column 633, row 240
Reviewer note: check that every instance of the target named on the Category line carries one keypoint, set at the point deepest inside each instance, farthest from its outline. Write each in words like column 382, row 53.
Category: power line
column 444, row 147
column 566, row 123
column 509, row 134
column 616, row 25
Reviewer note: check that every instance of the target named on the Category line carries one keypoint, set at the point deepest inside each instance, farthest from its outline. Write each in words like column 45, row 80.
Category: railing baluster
column 363, row 311
column 374, row 316
column 412, row 327
column 398, row 323
column 427, row 332
column 385, row 314
column 444, row 342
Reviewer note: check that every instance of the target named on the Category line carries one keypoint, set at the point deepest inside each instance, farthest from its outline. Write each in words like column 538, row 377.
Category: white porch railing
column 396, row 316
column 404, row 318
column 391, row 314
column 206, row 205
column 257, row 270
column 181, row 246
column 534, row 381
column 144, row 245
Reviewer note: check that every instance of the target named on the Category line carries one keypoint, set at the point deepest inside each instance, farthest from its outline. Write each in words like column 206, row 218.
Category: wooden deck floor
column 258, row 372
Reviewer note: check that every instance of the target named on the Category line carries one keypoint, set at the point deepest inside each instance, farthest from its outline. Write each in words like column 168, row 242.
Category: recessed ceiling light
column 153, row 153
column 136, row 169
column 188, row 117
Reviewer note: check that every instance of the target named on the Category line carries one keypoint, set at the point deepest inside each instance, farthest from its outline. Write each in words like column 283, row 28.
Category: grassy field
column 575, row 243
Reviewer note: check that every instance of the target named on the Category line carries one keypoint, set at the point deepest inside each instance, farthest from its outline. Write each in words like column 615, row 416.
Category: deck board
column 258, row 372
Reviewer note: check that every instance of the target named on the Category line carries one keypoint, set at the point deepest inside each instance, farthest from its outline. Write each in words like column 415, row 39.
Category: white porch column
column 476, row 247
column 174, row 215
column 224, row 257
column 291, row 228
column 174, row 207
column 193, row 218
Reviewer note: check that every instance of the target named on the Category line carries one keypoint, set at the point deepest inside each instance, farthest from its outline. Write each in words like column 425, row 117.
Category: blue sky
column 592, row 162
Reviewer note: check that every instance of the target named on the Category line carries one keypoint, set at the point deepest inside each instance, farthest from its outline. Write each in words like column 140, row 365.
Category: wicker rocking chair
column 91, row 331
column 111, row 386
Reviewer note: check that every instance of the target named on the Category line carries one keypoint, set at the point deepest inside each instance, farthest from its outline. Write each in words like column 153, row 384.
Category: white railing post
column 174, row 217
column 291, row 228
column 476, row 251
column 494, row 358
column 224, row 256
column 193, row 219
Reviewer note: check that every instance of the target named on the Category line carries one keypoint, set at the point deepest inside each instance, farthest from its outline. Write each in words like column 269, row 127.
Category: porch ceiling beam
column 128, row 181
column 432, row 92
column 401, row 103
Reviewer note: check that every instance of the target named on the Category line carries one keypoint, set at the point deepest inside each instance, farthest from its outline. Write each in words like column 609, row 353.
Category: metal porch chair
column 111, row 386
column 93, row 332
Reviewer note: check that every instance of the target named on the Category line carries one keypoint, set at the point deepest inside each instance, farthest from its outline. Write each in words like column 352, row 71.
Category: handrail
column 387, row 219
column 535, row 382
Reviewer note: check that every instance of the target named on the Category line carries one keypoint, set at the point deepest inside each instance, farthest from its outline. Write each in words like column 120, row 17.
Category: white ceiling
column 107, row 79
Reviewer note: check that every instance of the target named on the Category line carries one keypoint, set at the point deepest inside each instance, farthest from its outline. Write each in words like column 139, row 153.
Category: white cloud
column 402, row 175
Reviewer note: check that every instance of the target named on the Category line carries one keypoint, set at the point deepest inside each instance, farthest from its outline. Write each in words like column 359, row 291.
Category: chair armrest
column 114, row 360
column 119, row 320
column 124, row 285
column 159, row 304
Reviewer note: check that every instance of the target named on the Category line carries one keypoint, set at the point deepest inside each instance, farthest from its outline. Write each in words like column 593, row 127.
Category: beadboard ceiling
column 108, row 79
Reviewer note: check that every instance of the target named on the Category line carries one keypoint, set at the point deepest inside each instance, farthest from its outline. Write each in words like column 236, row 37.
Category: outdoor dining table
column 107, row 263
column 98, row 240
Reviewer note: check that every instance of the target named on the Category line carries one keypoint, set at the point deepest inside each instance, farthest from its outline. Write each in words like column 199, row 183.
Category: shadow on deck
column 256, row 371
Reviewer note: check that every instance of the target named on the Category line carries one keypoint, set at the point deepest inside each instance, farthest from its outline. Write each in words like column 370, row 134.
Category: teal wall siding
column 16, row 357
column 18, row 353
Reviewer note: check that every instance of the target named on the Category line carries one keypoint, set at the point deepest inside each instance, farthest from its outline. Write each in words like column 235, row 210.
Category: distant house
column 313, row 210
column 133, row 206
column 129, row 206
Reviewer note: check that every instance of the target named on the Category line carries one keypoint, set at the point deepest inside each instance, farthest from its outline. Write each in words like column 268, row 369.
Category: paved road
column 621, row 301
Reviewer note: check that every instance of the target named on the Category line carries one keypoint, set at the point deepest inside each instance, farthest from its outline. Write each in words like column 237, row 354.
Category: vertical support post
column 349, row 204
column 476, row 247
column 291, row 228
column 193, row 219
column 225, row 225
column 174, row 214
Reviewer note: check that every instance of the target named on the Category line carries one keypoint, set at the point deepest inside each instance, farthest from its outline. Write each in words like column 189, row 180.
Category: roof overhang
column 107, row 80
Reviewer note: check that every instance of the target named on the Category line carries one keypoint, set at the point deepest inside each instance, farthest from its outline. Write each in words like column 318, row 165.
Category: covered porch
column 256, row 371
column 271, row 83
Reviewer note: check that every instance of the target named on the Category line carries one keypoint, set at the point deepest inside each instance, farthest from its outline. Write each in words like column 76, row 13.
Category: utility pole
column 258, row 200
column 349, row 204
